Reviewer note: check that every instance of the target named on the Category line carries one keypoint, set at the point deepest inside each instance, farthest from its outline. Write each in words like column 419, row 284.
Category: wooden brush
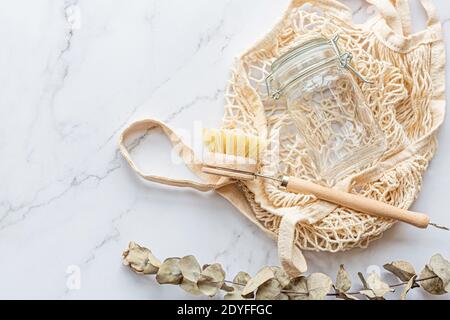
column 235, row 155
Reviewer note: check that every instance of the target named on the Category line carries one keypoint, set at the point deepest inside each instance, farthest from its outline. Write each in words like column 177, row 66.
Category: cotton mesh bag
column 406, row 97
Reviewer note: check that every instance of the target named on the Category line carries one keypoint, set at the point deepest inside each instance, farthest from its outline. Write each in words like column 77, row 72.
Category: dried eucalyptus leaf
column 190, row 268
column 282, row 296
column 234, row 295
column 205, row 266
column 343, row 282
column 345, row 296
column 211, row 279
column 240, row 280
column 269, row 290
column 281, row 275
column 319, row 285
column 207, row 285
column 298, row 289
column 375, row 288
column 401, row 269
column 243, row 278
column 370, row 294
column 408, row 287
column 190, row 287
column 375, row 284
column 435, row 285
column 314, row 287
column 216, row 272
column 226, row 288
column 140, row 259
column 169, row 272
column 263, row 275
column 441, row 268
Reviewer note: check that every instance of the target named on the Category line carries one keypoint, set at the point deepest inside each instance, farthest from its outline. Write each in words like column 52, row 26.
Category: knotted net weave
column 399, row 99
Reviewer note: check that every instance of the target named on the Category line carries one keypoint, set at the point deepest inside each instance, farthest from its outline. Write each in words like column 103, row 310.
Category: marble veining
column 73, row 75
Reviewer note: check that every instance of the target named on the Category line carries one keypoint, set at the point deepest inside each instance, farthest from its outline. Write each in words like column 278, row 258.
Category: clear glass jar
column 327, row 107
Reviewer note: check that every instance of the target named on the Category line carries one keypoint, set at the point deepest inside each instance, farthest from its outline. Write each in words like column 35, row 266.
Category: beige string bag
column 406, row 97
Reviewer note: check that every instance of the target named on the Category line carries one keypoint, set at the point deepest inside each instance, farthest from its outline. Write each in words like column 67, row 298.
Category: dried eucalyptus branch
column 272, row 283
column 331, row 294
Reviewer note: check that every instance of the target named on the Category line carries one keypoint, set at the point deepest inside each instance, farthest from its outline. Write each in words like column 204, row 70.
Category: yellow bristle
column 240, row 145
column 214, row 141
column 253, row 147
column 218, row 141
column 230, row 138
column 235, row 144
column 232, row 143
column 206, row 135
column 223, row 136
column 207, row 138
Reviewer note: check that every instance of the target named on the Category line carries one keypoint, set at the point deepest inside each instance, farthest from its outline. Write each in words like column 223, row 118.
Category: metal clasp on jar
column 344, row 60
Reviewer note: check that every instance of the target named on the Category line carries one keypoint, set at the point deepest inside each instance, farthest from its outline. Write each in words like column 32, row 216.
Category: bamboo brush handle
column 357, row 202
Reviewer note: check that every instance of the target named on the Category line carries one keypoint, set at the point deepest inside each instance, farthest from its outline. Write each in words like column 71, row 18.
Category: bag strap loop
column 404, row 12
column 389, row 13
column 290, row 256
column 186, row 153
column 430, row 9
column 398, row 15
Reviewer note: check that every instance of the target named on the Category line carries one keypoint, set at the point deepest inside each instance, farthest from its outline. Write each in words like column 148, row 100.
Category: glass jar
column 326, row 105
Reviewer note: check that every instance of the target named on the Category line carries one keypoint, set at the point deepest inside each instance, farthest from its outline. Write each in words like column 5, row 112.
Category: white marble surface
column 72, row 74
